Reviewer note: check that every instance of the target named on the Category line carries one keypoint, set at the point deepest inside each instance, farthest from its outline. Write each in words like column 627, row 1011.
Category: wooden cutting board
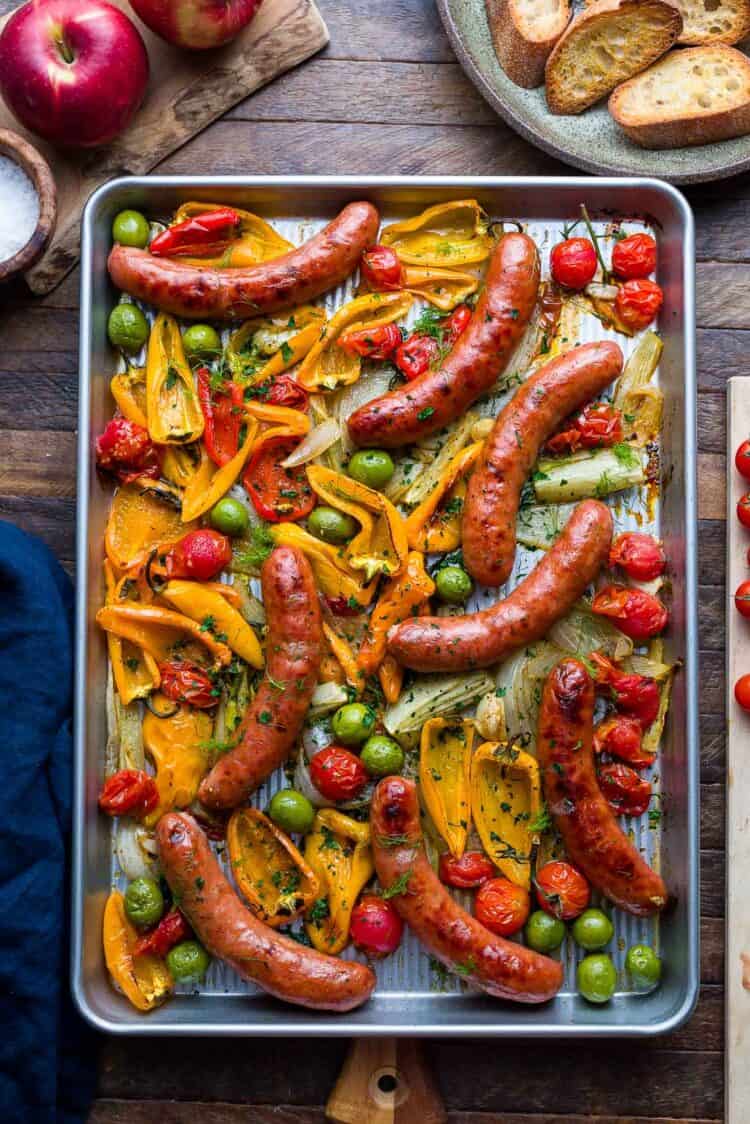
column 186, row 92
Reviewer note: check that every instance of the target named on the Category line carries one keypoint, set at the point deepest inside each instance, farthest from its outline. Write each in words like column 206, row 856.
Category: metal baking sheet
column 412, row 998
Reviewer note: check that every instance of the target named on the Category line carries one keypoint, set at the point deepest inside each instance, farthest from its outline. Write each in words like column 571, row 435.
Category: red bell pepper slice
column 223, row 413
column 201, row 236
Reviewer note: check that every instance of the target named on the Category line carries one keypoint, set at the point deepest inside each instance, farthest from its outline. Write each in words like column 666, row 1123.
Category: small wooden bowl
column 38, row 170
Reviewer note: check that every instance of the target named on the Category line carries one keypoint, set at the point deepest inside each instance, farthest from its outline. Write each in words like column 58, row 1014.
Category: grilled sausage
column 539, row 405
column 474, row 363
column 501, row 968
column 208, row 293
column 547, row 594
column 279, row 965
column 274, row 718
column 589, row 830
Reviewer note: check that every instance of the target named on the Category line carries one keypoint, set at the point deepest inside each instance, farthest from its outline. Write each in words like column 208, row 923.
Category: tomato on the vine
column 634, row 257
column 376, row 927
column 639, row 555
column 338, row 774
column 742, row 599
column 501, row 906
column 622, row 737
column 126, row 450
column 743, row 510
column 185, row 681
column 278, row 494
column 636, row 695
column 562, row 890
column 626, row 793
column 636, row 613
column 470, row 870
column 742, row 459
column 199, row 556
column 599, row 425
column 742, row 691
column 573, row 262
column 129, row 792
column 638, row 302
column 381, row 269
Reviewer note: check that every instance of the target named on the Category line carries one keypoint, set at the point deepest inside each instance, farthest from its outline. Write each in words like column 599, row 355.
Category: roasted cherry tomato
column 126, row 450
column 199, row 556
column 743, row 510
column 455, row 324
column 381, row 269
column 185, row 681
column 562, row 890
column 129, row 792
column 742, row 599
column 284, row 391
column 597, row 426
column 501, row 906
column 638, row 302
column 573, row 262
column 639, row 555
column 636, row 613
column 416, row 354
column 742, row 691
column 201, row 236
column 636, row 695
column 622, row 737
column 223, row 413
column 342, row 606
column 372, row 343
column 472, row 869
column 626, row 793
column 338, row 774
column 172, row 929
column 742, row 459
column 279, row 494
column 376, row 926
column 634, row 257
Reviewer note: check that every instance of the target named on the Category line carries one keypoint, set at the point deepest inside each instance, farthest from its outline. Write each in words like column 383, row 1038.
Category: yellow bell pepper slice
column 444, row 288
column 172, row 407
column 129, row 392
column 327, row 365
column 331, row 570
column 176, row 745
column 444, row 776
column 380, row 546
column 270, row 872
column 505, row 801
column 285, row 342
column 435, row 525
column 145, row 980
column 449, row 234
column 181, row 463
column 342, row 650
column 338, row 851
column 400, row 598
column 135, row 672
column 391, row 676
column 139, row 521
column 210, row 483
column 257, row 241
column 206, row 605
column 158, row 630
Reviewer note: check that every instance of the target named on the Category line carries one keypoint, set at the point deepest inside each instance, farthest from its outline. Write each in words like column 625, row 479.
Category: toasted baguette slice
column 714, row 21
column 695, row 96
column 611, row 40
column 524, row 32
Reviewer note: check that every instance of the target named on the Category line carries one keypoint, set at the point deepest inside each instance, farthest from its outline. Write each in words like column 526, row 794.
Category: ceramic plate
column 592, row 140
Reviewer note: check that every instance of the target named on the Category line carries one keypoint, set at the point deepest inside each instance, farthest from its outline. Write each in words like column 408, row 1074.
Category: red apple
column 73, row 71
column 196, row 24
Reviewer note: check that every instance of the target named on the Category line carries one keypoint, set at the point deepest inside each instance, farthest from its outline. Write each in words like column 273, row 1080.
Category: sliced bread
column 523, row 33
column 714, row 21
column 693, row 96
column 610, row 41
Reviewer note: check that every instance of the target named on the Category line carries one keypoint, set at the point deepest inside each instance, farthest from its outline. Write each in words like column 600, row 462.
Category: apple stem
column 63, row 48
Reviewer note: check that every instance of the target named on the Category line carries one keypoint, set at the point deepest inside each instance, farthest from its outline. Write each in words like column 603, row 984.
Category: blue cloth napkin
column 47, row 1053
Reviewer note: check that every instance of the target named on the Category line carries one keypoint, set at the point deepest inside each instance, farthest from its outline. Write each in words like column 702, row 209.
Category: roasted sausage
column 279, row 965
column 547, row 594
column 208, row 293
column 474, row 363
column 589, row 830
column 501, row 968
column 274, row 718
column 539, row 405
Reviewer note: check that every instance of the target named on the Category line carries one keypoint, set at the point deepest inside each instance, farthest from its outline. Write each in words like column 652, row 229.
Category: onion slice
column 320, row 438
column 601, row 292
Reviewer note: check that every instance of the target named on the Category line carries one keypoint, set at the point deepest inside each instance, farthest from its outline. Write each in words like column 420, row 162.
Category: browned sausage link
column 233, row 934
column 473, row 365
column 274, row 719
column 205, row 292
column 592, row 837
column 547, row 594
column 539, row 405
column 501, row 968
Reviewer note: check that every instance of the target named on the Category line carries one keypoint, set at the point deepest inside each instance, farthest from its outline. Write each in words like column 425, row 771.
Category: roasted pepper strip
column 209, row 483
column 181, row 463
column 449, row 234
column 332, row 572
column 444, row 288
column 214, row 613
column 172, row 408
column 157, row 630
column 254, row 240
column 435, row 525
column 145, row 980
column 444, row 777
column 176, row 745
column 271, row 873
column 135, row 672
column 327, row 365
column 505, row 802
column 338, row 851
column 342, row 650
column 282, row 343
column 391, row 676
column 129, row 392
column 203, row 235
column 401, row 597
column 223, row 413
column 139, row 521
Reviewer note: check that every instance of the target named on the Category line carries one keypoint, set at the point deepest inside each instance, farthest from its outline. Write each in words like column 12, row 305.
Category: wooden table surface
column 388, row 96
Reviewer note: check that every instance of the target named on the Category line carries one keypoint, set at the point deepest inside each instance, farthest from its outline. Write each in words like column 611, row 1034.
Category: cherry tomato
column 636, row 695
column 415, row 355
column 185, row 681
column 222, row 408
column 634, row 257
column 126, row 450
column 639, row 555
column 501, row 906
column 597, row 426
column 172, row 929
column 622, row 737
column 199, row 555
column 638, row 302
column 742, row 459
column 626, row 793
column 743, row 510
column 472, row 869
column 455, row 324
column 636, row 613
column 376, row 926
column 372, row 343
column 284, row 391
column 129, row 792
column 342, row 606
column 562, row 890
column 742, row 691
column 338, row 774
column 278, row 494
column 742, row 599
column 381, row 268
column 573, row 262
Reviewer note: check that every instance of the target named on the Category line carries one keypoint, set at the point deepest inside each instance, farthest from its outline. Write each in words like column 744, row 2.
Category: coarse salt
column 19, row 208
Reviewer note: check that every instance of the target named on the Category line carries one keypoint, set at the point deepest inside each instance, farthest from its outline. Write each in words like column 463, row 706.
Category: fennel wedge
column 587, row 475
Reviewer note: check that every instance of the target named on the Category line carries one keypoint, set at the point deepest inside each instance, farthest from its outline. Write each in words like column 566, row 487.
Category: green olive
column 144, row 902
column 373, row 467
column 643, row 966
column 596, row 977
column 188, row 960
column 453, row 584
column 330, row 525
column 229, row 516
column 130, row 228
column 201, row 341
column 291, row 811
column 543, row 932
column 592, row 930
column 127, row 328
column 353, row 723
column 382, row 756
